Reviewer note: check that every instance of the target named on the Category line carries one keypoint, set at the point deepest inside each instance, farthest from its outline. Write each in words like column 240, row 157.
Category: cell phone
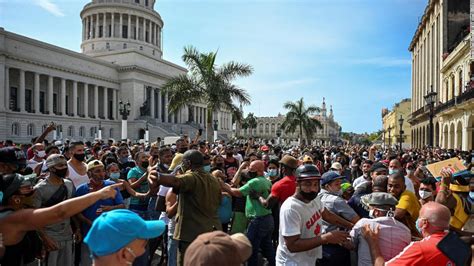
column 454, row 248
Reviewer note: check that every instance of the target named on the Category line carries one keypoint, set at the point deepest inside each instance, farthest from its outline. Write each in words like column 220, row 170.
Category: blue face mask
column 207, row 168
column 471, row 195
column 115, row 175
column 418, row 227
column 272, row 172
column 392, row 171
column 1, row 197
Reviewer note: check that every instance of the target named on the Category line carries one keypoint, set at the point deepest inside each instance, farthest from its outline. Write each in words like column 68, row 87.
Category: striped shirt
column 394, row 237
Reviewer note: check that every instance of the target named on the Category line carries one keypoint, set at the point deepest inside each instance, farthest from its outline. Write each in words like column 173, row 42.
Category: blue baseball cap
column 329, row 177
column 115, row 229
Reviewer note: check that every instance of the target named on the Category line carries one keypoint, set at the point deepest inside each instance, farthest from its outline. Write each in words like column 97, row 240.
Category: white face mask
column 424, row 194
column 40, row 154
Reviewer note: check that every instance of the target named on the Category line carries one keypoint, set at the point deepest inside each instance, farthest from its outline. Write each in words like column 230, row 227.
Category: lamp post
column 389, row 136
column 147, row 133
column 278, row 132
column 215, row 129
column 124, row 109
column 430, row 99
column 99, row 135
column 400, row 122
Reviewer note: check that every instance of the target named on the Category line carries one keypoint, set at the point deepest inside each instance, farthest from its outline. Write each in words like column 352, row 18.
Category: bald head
column 437, row 215
column 193, row 158
column 394, row 164
column 257, row 166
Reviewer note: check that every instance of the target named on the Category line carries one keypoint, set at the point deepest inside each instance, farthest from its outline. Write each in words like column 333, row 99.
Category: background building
column 121, row 60
column 442, row 52
column 267, row 128
column 391, row 124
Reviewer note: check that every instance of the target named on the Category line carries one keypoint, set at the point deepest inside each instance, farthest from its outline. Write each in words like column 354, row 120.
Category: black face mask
column 309, row 195
column 220, row 165
column 145, row 164
column 61, row 173
column 252, row 174
column 80, row 157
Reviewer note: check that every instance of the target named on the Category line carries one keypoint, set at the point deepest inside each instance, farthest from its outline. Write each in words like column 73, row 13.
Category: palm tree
column 250, row 122
column 209, row 84
column 299, row 118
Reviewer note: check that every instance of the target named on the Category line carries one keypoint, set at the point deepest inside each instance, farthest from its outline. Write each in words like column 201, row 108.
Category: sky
column 352, row 52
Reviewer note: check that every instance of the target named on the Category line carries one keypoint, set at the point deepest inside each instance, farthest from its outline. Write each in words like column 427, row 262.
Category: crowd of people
column 247, row 202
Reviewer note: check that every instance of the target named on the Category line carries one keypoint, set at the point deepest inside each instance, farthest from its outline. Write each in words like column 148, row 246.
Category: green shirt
column 199, row 200
column 253, row 208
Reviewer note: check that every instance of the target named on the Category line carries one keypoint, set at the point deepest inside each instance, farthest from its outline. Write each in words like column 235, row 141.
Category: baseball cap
column 94, row 164
column 307, row 159
column 380, row 199
column 329, row 177
column 55, row 159
column 13, row 182
column 306, row 172
column 289, row 161
column 377, row 167
column 115, row 229
column 345, row 186
column 336, row 166
column 218, row 248
column 12, row 155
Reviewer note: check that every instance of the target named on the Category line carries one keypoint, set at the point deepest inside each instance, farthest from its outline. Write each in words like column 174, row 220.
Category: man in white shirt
column 301, row 215
column 394, row 167
column 365, row 177
column 39, row 154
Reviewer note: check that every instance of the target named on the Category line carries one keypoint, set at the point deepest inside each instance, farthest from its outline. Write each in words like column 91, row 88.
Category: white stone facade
column 267, row 128
column 40, row 82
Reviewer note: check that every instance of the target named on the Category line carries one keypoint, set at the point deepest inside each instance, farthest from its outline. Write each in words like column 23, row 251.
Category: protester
column 427, row 190
column 77, row 167
column 433, row 223
column 394, row 236
column 118, row 237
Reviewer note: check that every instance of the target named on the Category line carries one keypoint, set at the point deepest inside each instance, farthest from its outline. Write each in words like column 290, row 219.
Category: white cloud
column 50, row 7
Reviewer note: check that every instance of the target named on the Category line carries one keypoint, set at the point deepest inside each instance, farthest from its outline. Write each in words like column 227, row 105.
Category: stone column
column 63, row 97
column 7, row 88
column 152, row 102
column 86, row 100
column 159, row 106
column 83, row 29
column 36, row 93
column 205, row 116
column 144, row 29
column 120, row 25
column 114, row 104
column 106, row 109
column 96, row 35
column 74, row 98
column 112, row 26
column 50, row 95
column 129, row 28
column 158, row 36
column 21, row 95
column 166, row 108
column 96, row 101
column 137, row 26
column 104, row 25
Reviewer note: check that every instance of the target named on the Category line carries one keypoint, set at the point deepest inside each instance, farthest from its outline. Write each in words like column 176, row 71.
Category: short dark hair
column 51, row 147
column 430, row 182
column 73, row 145
column 164, row 150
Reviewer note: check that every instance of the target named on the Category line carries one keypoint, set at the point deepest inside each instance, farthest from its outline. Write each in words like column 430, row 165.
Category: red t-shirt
column 423, row 252
column 284, row 188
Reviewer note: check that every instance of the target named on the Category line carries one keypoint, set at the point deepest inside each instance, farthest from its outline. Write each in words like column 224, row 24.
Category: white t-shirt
column 409, row 185
column 32, row 163
column 76, row 178
column 359, row 181
column 299, row 218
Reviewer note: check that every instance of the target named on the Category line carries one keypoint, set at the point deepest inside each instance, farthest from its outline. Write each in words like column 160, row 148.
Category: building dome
column 113, row 25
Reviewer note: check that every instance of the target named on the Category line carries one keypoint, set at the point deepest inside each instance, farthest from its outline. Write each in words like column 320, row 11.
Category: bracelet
column 445, row 191
column 443, row 185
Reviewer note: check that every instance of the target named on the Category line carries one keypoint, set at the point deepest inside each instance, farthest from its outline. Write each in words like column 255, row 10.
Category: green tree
column 299, row 118
column 250, row 122
column 208, row 83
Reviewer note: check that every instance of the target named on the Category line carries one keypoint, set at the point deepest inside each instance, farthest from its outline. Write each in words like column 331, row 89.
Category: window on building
column 146, row 2
column 82, row 131
column 15, row 129
column 42, row 101
column 111, row 133
column 55, row 103
column 141, row 48
column 101, row 31
column 67, row 104
column 14, row 99
column 107, row 46
column 92, row 46
column 146, row 36
column 30, row 130
column 92, row 132
column 70, row 131
column 137, row 1
column 125, row 31
column 460, row 88
column 28, row 100
column 110, row 30
column 124, row 46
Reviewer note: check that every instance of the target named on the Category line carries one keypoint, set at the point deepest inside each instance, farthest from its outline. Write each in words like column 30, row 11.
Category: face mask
column 124, row 159
column 424, row 194
column 207, row 168
column 1, row 197
column 471, row 194
column 392, row 171
column 418, row 227
column 145, row 164
column 115, row 175
column 273, row 172
column 41, row 154
column 253, row 174
column 61, row 173
column 79, row 157
column 371, row 214
column 309, row 195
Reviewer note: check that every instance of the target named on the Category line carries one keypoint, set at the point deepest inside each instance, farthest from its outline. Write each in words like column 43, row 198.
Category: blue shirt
column 136, row 172
column 90, row 212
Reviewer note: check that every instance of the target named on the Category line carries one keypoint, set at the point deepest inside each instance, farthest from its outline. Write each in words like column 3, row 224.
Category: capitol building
column 121, row 61
column 269, row 128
